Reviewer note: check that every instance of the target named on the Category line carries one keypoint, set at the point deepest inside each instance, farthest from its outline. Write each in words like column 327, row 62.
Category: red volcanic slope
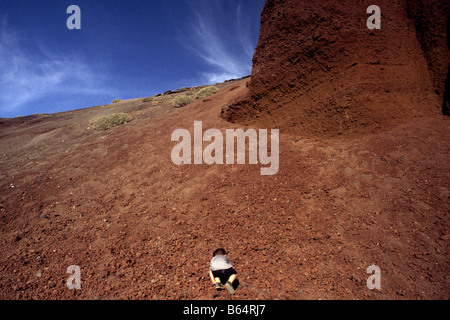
column 140, row 227
column 318, row 69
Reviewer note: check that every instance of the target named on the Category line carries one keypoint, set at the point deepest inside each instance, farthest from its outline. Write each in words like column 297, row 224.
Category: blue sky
column 125, row 49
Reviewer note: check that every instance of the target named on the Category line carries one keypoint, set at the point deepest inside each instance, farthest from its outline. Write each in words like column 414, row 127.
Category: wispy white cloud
column 226, row 44
column 27, row 76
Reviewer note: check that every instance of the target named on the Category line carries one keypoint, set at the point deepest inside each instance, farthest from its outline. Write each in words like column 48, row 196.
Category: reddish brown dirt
column 319, row 71
column 364, row 175
column 140, row 227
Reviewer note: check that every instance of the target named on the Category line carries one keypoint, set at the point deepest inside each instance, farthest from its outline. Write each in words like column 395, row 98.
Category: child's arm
column 212, row 277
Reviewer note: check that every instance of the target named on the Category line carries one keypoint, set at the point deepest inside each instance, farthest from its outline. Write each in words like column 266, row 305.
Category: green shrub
column 149, row 99
column 206, row 92
column 181, row 101
column 110, row 121
column 117, row 100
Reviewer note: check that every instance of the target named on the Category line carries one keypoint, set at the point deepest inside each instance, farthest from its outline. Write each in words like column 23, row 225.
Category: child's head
column 219, row 252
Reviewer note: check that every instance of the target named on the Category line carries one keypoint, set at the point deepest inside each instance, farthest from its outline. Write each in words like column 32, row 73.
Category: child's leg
column 216, row 281
column 229, row 284
column 232, row 278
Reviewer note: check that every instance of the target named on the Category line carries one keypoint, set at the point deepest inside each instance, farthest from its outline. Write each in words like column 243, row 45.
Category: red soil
column 364, row 178
column 140, row 227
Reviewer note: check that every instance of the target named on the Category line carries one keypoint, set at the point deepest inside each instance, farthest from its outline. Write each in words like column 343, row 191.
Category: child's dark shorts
column 224, row 274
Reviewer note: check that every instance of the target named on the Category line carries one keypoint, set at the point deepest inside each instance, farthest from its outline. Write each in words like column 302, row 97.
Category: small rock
column 348, row 170
column 356, row 278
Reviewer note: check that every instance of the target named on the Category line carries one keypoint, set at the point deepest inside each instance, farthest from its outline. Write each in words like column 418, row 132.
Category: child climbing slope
column 221, row 271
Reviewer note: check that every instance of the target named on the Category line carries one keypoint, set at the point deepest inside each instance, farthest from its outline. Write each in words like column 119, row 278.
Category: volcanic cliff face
column 432, row 22
column 319, row 70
